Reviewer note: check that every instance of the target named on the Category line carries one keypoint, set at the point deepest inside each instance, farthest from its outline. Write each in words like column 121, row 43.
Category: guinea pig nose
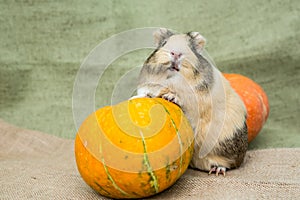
column 175, row 55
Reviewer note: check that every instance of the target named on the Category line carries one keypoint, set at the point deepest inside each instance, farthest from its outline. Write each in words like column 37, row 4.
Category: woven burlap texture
column 34, row 165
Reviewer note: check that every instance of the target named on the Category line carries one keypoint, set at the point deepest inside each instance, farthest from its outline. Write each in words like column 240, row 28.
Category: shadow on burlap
column 35, row 165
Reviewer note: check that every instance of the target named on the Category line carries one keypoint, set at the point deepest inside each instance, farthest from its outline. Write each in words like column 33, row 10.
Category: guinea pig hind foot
column 218, row 170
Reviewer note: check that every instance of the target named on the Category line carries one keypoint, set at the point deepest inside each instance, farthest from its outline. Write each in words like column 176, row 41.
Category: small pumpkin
column 255, row 100
column 134, row 149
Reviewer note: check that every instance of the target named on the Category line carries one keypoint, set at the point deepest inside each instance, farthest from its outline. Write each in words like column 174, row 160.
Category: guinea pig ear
column 161, row 35
column 198, row 39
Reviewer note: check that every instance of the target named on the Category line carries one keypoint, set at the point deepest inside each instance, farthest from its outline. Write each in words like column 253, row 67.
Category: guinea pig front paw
column 141, row 96
column 172, row 98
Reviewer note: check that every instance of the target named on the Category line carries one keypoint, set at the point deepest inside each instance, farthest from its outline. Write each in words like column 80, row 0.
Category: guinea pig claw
column 172, row 98
column 213, row 169
column 218, row 170
column 221, row 170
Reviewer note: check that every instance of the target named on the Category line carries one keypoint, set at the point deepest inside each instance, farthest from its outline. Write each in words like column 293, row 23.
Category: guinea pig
column 178, row 71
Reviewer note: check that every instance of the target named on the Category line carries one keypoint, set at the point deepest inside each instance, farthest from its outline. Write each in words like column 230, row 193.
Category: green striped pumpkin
column 134, row 149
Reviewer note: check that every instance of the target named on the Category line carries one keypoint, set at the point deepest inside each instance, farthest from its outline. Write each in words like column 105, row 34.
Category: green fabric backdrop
column 44, row 42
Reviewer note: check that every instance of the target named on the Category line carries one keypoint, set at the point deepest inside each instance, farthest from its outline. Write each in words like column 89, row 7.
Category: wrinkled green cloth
column 43, row 44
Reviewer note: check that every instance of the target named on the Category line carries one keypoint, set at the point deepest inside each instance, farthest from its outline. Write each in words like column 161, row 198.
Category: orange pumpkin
column 134, row 149
column 255, row 100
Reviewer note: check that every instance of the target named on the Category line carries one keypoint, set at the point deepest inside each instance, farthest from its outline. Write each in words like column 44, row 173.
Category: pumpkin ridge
column 178, row 136
column 180, row 144
column 153, row 182
column 98, row 185
column 109, row 175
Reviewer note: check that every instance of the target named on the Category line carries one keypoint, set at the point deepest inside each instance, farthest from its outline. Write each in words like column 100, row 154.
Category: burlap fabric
column 34, row 165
